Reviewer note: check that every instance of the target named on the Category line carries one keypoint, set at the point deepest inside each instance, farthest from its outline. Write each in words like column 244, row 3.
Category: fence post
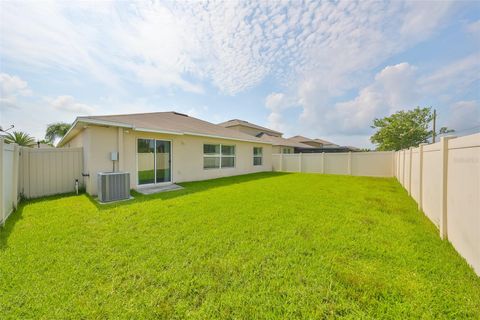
column 16, row 165
column 444, row 185
column 2, row 206
column 281, row 161
column 403, row 166
column 300, row 162
column 323, row 162
column 350, row 162
column 410, row 172
column 420, row 180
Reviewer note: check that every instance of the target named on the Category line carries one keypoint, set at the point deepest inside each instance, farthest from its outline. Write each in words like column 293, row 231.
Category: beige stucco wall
column 187, row 155
column 280, row 149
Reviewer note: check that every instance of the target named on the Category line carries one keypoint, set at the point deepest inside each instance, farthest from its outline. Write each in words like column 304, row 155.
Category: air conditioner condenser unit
column 113, row 186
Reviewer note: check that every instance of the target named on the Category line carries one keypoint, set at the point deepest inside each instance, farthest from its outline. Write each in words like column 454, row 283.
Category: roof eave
column 83, row 120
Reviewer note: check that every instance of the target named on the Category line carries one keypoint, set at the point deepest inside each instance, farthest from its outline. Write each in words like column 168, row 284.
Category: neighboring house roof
column 325, row 142
column 238, row 122
column 303, row 139
column 353, row 148
column 279, row 141
column 161, row 122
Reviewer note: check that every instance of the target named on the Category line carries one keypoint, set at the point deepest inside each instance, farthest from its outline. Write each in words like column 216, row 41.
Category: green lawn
column 258, row 246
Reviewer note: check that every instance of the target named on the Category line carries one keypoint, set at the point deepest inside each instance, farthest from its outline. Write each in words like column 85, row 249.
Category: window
column 218, row 156
column 257, row 156
column 287, row 150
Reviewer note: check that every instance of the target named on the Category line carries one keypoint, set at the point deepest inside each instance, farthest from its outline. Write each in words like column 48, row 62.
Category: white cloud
column 233, row 44
column 12, row 87
column 69, row 104
column 276, row 103
column 424, row 17
column 454, row 77
column 464, row 117
column 394, row 88
column 474, row 28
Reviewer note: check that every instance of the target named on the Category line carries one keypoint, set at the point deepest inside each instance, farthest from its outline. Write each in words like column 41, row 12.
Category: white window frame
column 220, row 156
column 258, row 156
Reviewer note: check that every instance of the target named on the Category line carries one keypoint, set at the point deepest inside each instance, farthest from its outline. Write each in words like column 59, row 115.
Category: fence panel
column 312, row 162
column 46, row 172
column 290, row 163
column 432, row 182
column 463, row 197
column 8, row 176
column 401, row 163
column 336, row 163
column 445, row 182
column 373, row 164
column 415, row 175
column 276, row 162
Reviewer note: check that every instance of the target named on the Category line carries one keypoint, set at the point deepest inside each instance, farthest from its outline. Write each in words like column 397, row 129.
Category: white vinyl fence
column 8, row 179
column 374, row 164
column 31, row 173
column 444, row 179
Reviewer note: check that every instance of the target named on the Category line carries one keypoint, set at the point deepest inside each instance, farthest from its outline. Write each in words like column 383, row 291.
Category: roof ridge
column 135, row 114
column 250, row 123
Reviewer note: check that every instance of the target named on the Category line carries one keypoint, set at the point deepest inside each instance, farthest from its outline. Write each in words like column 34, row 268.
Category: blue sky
column 320, row 69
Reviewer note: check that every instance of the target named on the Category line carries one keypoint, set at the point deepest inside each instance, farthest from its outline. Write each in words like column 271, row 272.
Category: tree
column 404, row 129
column 56, row 130
column 20, row 138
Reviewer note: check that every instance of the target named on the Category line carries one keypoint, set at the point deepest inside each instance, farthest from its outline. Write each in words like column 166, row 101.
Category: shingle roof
column 303, row 139
column 279, row 141
column 325, row 142
column 238, row 122
column 168, row 122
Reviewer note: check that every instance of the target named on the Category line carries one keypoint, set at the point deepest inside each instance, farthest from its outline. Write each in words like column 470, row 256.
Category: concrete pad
column 158, row 189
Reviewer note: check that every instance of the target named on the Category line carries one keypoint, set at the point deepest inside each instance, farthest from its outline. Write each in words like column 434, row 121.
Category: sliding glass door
column 153, row 161
column 162, row 154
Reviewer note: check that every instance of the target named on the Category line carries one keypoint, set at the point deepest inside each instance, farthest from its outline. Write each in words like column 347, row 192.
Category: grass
column 261, row 246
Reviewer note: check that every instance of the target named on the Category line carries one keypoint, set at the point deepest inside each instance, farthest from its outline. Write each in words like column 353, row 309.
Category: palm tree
column 56, row 130
column 20, row 138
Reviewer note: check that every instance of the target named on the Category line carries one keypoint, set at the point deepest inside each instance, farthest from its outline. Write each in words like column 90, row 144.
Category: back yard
column 266, row 245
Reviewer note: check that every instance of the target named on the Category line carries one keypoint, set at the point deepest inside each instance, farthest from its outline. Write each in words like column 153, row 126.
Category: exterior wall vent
column 113, row 186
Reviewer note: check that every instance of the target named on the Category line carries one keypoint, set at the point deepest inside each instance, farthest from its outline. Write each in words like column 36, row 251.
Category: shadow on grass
column 17, row 215
column 189, row 188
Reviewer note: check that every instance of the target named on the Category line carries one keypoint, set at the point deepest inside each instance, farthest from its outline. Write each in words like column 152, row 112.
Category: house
column 315, row 143
column 164, row 148
column 282, row 145
column 295, row 144
column 249, row 128
column 320, row 145
column 279, row 144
